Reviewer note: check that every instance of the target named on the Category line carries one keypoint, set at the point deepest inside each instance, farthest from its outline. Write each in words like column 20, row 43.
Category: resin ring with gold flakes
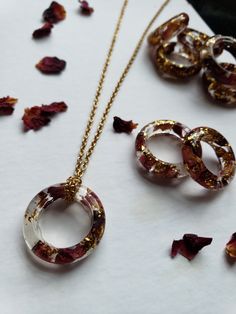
column 176, row 64
column 213, row 49
column 225, row 94
column 196, row 167
column 168, row 30
column 178, row 59
column 151, row 163
column 192, row 40
column 49, row 253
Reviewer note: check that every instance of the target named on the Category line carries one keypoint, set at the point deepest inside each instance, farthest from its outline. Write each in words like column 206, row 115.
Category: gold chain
column 75, row 181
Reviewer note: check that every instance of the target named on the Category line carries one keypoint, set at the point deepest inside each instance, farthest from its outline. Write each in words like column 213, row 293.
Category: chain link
column 73, row 182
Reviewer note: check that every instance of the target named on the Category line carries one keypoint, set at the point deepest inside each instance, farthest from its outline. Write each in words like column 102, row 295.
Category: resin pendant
column 49, row 253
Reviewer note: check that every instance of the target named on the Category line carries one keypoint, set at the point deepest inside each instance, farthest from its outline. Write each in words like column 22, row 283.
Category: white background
column 131, row 271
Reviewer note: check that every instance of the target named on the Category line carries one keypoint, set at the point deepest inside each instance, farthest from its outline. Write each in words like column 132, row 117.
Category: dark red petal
column 7, row 105
column 44, row 31
column 57, row 192
column 195, row 243
column 66, row 255
column 55, row 13
column 43, row 251
column 187, row 253
column 231, row 246
column 148, row 162
column 176, row 245
column 122, row 126
column 189, row 246
column 55, row 107
column 51, row 65
column 36, row 117
column 85, row 9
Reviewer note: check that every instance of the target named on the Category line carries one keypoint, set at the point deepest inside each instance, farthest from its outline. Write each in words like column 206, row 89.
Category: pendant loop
column 49, row 253
column 71, row 187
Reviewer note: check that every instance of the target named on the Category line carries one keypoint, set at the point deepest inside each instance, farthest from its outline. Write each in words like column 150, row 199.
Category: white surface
column 131, row 271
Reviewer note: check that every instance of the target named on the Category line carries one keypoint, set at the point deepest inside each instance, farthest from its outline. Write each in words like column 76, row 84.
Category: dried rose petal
column 51, row 65
column 43, row 31
column 56, row 192
column 189, row 246
column 85, row 8
column 69, row 255
column 55, row 13
column 36, row 117
column 43, row 250
column 122, row 126
column 7, row 105
column 54, row 107
column 176, row 245
column 230, row 248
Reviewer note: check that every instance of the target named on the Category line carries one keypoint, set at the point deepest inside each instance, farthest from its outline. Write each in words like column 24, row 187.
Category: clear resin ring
column 180, row 58
column 172, row 63
column 168, row 30
column 151, row 163
column 213, row 49
column 222, row 93
column 196, row 167
column 49, row 253
column 192, row 40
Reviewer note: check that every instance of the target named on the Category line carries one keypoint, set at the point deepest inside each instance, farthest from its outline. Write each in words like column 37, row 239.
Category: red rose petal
column 55, row 13
column 85, row 9
column 69, row 255
column 51, row 65
column 176, row 245
column 189, row 245
column 122, row 126
column 36, row 117
column 55, row 107
column 195, row 243
column 64, row 256
column 57, row 192
column 43, row 31
column 7, row 105
column 230, row 248
column 43, row 251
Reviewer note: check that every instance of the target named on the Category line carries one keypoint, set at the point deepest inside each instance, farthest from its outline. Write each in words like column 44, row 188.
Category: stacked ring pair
column 192, row 164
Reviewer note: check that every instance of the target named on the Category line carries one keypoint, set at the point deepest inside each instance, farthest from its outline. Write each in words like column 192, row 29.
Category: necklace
column 73, row 190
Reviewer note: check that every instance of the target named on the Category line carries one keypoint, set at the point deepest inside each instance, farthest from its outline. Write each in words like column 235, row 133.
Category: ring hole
column 64, row 224
column 210, row 158
column 180, row 58
column 224, row 51
column 226, row 56
column 165, row 147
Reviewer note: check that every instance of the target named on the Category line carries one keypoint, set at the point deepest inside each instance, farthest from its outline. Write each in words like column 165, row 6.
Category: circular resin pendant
column 46, row 251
